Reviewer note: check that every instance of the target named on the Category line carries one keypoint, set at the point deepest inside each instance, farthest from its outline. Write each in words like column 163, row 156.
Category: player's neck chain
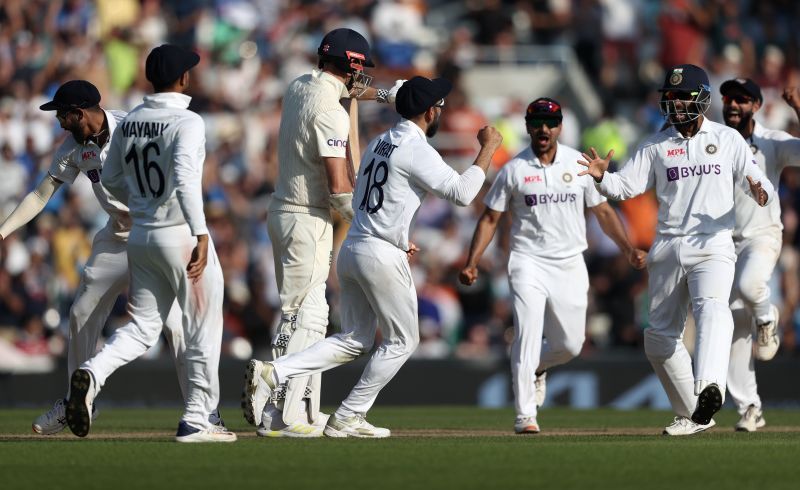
column 753, row 146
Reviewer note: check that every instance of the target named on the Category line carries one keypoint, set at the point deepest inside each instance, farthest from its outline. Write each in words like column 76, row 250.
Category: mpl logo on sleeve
column 533, row 179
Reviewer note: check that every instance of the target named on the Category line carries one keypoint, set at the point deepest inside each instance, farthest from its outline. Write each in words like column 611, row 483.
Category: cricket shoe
column 216, row 419
column 540, row 385
column 80, row 406
column 526, row 425
column 767, row 338
column 752, row 419
column 253, row 399
column 215, row 433
column 709, row 401
column 683, row 426
column 55, row 420
column 355, row 426
column 297, row 428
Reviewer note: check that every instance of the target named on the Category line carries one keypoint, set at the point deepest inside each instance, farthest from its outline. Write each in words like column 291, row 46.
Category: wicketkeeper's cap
column 75, row 94
column 419, row 94
column 167, row 63
column 746, row 85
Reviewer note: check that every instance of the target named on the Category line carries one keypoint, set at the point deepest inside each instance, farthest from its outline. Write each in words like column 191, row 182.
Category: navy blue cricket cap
column 543, row 108
column 685, row 78
column 419, row 94
column 345, row 43
column 75, row 94
column 167, row 63
column 746, row 85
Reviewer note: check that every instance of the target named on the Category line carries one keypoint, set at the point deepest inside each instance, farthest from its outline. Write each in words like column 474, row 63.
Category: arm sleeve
column 789, row 152
column 190, row 153
column 331, row 131
column 591, row 196
column 62, row 167
column 112, row 177
column 31, row 205
column 744, row 165
column 499, row 194
column 633, row 179
column 444, row 182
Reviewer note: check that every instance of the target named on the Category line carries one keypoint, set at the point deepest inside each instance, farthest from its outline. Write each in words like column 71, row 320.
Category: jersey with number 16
column 159, row 148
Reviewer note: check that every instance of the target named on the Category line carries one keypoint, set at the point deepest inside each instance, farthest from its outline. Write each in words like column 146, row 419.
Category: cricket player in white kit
column 377, row 291
column 758, row 238
column 105, row 274
column 314, row 177
column 694, row 165
column 546, row 270
column 155, row 164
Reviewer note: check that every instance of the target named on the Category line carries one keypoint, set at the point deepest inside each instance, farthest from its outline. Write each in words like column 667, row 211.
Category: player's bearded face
column 544, row 133
column 433, row 127
column 737, row 111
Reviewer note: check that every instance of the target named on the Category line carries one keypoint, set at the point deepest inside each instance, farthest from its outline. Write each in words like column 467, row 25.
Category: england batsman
column 397, row 171
column 694, row 164
column 549, row 284
column 77, row 108
column 314, row 178
column 758, row 240
column 155, row 165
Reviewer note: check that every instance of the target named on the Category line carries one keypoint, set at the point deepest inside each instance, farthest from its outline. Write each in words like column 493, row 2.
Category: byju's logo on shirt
column 333, row 142
column 94, row 175
column 676, row 173
column 536, row 199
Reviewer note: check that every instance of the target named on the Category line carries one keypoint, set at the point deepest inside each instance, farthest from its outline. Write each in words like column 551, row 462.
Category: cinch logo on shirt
column 675, row 173
column 94, row 175
column 89, row 154
column 337, row 143
column 676, row 152
column 535, row 199
column 529, row 179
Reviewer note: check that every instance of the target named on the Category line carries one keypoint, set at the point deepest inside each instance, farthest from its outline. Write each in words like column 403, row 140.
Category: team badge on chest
column 567, row 177
column 711, row 149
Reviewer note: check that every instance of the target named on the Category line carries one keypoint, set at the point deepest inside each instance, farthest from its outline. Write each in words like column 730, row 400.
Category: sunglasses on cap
column 62, row 114
column 544, row 106
column 739, row 99
column 539, row 122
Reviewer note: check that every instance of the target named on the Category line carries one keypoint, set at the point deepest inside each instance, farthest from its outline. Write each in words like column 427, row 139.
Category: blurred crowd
column 251, row 49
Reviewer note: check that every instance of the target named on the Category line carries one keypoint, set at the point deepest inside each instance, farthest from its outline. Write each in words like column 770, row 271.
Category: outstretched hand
column 758, row 192
column 595, row 165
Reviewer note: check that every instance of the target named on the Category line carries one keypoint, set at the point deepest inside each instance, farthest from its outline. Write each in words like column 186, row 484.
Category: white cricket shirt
column 546, row 203
column 774, row 151
column 72, row 158
column 694, row 178
column 156, row 163
column 397, row 170
column 313, row 125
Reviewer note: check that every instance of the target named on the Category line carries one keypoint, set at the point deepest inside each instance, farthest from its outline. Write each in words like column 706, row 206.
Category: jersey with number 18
column 159, row 149
column 397, row 170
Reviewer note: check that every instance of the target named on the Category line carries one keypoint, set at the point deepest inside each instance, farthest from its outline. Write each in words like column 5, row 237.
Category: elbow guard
column 343, row 204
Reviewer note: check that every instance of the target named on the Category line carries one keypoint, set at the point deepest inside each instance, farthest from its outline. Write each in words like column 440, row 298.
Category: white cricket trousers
column 696, row 270
column 750, row 300
column 104, row 278
column 157, row 260
column 376, row 291
column 302, row 248
column 549, row 298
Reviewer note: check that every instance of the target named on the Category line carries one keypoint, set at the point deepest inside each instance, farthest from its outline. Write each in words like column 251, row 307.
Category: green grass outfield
column 431, row 447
